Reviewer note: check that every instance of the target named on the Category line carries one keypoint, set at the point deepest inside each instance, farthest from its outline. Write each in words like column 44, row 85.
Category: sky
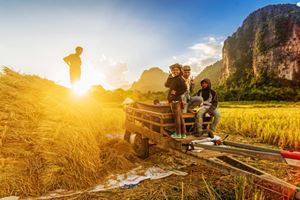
column 120, row 38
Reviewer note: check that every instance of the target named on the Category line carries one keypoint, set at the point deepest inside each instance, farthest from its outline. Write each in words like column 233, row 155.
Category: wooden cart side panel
column 129, row 109
column 157, row 138
column 160, row 120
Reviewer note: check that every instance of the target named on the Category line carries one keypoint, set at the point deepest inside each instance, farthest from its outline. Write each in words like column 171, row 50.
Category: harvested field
column 51, row 139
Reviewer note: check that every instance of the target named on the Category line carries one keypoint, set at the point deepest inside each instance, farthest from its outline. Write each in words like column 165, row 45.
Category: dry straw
column 51, row 139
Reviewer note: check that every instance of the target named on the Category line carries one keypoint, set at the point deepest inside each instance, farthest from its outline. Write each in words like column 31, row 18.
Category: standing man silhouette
column 74, row 62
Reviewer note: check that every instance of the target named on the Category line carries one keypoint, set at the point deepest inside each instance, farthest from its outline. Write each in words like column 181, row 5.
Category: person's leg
column 199, row 120
column 178, row 117
column 194, row 102
column 182, row 123
column 72, row 76
column 216, row 120
column 77, row 74
column 185, row 103
column 185, row 109
column 176, row 111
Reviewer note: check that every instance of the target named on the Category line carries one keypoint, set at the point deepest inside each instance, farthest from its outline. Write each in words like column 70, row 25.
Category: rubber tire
column 141, row 146
column 127, row 136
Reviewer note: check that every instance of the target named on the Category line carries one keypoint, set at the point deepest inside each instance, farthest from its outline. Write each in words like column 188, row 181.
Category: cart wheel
column 127, row 136
column 141, row 146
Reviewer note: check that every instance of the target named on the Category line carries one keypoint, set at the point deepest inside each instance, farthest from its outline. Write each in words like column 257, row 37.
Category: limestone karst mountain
column 267, row 45
column 152, row 80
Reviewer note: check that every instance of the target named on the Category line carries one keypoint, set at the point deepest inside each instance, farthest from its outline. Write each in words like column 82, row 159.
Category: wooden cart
column 146, row 124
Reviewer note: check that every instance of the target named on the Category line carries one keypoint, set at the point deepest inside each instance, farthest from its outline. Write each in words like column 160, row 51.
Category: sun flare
column 81, row 88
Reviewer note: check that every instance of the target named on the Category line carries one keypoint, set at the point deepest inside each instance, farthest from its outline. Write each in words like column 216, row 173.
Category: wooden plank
column 154, row 136
column 144, row 111
column 251, row 147
column 158, row 138
column 244, row 152
column 186, row 123
column 163, row 124
column 184, row 115
column 261, row 179
column 153, row 108
column 163, row 116
column 146, row 120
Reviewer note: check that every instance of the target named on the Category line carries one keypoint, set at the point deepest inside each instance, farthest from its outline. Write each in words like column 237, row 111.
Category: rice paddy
column 51, row 139
column 278, row 125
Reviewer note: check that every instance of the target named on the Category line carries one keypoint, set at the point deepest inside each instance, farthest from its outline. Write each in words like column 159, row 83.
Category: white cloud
column 111, row 73
column 210, row 47
column 298, row 4
column 203, row 53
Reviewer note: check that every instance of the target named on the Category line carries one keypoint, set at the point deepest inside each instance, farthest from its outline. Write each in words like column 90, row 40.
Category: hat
column 176, row 65
column 186, row 68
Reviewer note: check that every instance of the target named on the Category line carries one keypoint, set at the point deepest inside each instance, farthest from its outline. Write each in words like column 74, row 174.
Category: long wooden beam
column 244, row 152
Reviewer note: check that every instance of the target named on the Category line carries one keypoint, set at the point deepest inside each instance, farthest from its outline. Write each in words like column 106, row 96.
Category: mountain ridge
column 152, row 80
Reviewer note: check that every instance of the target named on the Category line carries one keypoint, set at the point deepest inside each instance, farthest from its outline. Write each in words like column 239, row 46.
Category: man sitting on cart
column 190, row 87
column 207, row 101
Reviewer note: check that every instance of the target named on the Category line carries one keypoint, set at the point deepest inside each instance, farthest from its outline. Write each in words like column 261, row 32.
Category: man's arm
column 181, row 86
column 192, row 86
column 67, row 59
column 214, row 103
column 168, row 82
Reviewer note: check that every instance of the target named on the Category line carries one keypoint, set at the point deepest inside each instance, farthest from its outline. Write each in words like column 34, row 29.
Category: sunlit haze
column 120, row 38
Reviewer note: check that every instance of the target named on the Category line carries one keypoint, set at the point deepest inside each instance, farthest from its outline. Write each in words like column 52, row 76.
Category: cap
column 186, row 68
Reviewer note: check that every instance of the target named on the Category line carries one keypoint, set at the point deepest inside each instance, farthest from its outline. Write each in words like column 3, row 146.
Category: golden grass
column 274, row 125
column 277, row 124
column 51, row 139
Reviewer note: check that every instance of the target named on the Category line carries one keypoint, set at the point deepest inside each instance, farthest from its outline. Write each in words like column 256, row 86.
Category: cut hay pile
column 51, row 139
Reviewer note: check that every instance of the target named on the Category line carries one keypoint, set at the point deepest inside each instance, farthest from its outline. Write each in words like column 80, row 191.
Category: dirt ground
column 201, row 182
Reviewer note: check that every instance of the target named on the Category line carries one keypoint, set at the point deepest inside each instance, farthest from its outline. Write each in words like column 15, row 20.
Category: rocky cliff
column 267, row 44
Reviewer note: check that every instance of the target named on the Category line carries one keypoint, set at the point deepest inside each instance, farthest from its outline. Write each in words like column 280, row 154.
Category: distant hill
column 213, row 72
column 98, row 89
column 152, row 80
column 126, row 87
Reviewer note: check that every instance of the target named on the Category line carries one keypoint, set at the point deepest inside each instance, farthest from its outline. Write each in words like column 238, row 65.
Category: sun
column 81, row 88
column 90, row 77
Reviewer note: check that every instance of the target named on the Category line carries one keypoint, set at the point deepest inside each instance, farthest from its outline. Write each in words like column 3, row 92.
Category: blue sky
column 120, row 38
